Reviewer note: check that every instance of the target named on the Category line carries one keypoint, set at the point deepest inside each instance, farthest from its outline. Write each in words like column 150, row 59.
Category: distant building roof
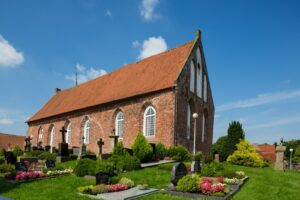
column 268, row 152
column 151, row 74
column 10, row 141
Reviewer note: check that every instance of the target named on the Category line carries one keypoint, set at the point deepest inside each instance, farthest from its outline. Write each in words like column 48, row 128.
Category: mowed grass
column 263, row 184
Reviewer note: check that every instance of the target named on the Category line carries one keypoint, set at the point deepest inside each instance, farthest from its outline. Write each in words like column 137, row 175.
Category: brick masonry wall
column 184, row 97
column 102, row 121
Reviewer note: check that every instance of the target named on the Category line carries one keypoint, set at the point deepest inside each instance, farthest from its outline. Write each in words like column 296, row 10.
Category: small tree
column 235, row 133
column 141, row 148
column 119, row 150
column 246, row 155
column 17, row 151
column 160, row 151
column 220, row 147
column 297, row 155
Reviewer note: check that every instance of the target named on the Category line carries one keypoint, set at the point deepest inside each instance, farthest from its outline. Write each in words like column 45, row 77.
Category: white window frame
column 86, row 132
column 188, row 122
column 192, row 77
column 146, row 128
column 205, row 89
column 203, row 128
column 40, row 134
column 119, row 124
column 52, row 136
column 69, row 133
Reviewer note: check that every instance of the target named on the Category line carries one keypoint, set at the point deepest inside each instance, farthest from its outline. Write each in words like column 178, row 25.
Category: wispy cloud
column 261, row 99
column 108, row 13
column 6, row 121
column 9, row 56
column 151, row 46
column 275, row 123
column 147, row 9
column 85, row 74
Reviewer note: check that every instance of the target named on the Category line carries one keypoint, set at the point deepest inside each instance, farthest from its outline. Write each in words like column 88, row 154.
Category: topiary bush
column 105, row 166
column 47, row 156
column 119, row 150
column 17, row 151
column 142, row 149
column 246, row 155
column 85, row 167
column 187, row 184
column 160, row 151
column 179, row 153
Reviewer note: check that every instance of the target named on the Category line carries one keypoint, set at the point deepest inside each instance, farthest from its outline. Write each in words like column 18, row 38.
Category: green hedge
column 179, row 153
column 85, row 167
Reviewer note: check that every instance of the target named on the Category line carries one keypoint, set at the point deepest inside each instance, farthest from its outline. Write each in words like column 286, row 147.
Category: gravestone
column 217, row 157
column 10, row 158
column 27, row 144
column 178, row 171
column 63, row 151
column 100, row 144
column 102, row 178
column 279, row 164
column 82, row 151
column 89, row 156
column 34, row 148
column 30, row 160
column 113, row 140
column 20, row 166
column 76, row 150
column 50, row 164
column 47, row 148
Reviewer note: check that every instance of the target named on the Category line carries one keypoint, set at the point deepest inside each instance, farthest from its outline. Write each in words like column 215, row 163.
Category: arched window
column 192, row 77
column 203, row 128
column 40, row 134
column 149, row 121
column 119, row 124
column 52, row 136
column 199, row 81
column 205, row 88
column 188, row 122
column 199, row 58
column 86, row 132
column 69, row 133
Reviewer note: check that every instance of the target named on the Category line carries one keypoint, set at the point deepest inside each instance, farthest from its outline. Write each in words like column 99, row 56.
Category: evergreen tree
column 220, row 147
column 235, row 133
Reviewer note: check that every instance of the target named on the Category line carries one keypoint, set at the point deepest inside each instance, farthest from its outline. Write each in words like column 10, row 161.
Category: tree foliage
column 235, row 133
column 141, row 148
column 220, row 147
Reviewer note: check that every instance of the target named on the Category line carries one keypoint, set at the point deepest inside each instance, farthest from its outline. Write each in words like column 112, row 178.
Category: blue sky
column 252, row 50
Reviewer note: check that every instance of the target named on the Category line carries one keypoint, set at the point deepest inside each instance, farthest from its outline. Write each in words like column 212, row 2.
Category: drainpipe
column 175, row 115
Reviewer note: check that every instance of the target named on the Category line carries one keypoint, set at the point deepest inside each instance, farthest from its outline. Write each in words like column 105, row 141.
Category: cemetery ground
column 263, row 183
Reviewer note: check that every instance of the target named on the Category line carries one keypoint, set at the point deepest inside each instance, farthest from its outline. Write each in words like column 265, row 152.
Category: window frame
column 145, row 128
column 117, row 121
column 86, row 131
column 69, row 133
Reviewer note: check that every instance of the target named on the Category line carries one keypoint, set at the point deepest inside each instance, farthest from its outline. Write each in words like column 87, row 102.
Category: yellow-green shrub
column 246, row 155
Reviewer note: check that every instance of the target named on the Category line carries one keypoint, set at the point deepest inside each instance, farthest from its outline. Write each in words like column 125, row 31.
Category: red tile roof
column 268, row 152
column 148, row 75
column 8, row 140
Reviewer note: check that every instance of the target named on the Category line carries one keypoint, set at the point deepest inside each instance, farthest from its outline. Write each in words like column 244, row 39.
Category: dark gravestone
column 100, row 144
column 50, row 164
column 10, row 158
column 30, row 160
column 34, row 148
column 27, row 144
column 178, row 171
column 129, row 151
column 63, row 147
column 21, row 167
column 47, row 148
column 89, row 156
column 102, row 178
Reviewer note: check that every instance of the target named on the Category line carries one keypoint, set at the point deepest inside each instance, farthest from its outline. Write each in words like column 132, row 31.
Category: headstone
column 34, row 148
column 279, row 164
column 47, row 148
column 82, row 151
column 91, row 156
column 100, row 144
column 113, row 140
column 63, row 151
column 76, row 150
column 102, row 178
column 10, row 158
column 50, row 164
column 178, row 171
column 27, row 144
column 217, row 157
column 20, row 166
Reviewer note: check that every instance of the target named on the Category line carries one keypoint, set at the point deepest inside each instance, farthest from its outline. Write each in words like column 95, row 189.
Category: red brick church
column 156, row 95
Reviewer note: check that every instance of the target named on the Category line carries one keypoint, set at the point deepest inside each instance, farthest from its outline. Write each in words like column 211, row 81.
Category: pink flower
column 220, row 179
column 205, row 187
column 116, row 187
column 207, row 180
column 217, row 188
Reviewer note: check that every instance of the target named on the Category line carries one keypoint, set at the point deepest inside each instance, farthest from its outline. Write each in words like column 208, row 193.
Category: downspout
column 175, row 115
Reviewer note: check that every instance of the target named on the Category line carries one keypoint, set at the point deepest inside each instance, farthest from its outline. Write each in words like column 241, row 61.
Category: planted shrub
column 179, row 153
column 85, row 167
column 6, row 168
column 105, row 166
column 2, row 152
column 296, row 158
column 127, row 181
column 99, row 189
column 119, row 150
column 246, row 155
column 212, row 169
column 85, row 189
column 229, row 174
column 187, row 184
column 47, row 156
column 35, row 153
column 198, row 156
column 142, row 149
column 17, row 151
column 125, row 163
column 160, row 151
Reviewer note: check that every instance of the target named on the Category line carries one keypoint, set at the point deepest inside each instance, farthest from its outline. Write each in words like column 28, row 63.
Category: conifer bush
column 17, row 151
column 141, row 148
column 119, row 150
column 160, row 151
column 85, row 167
column 179, row 153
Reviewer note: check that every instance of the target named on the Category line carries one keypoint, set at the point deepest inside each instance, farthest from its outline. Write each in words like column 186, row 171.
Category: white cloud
column 85, row 74
column 9, row 57
column 6, row 121
column 279, row 122
column 108, row 13
column 136, row 44
column 147, row 9
column 261, row 99
column 152, row 46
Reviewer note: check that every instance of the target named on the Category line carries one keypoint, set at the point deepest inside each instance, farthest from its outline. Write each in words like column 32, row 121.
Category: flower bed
column 30, row 175
column 59, row 172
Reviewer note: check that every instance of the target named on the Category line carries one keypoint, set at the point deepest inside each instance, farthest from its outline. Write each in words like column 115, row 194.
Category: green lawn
column 263, row 184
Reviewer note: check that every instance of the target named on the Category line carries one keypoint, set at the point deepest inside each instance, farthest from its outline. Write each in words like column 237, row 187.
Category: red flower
column 207, row 180
column 205, row 187
column 220, row 179
column 116, row 187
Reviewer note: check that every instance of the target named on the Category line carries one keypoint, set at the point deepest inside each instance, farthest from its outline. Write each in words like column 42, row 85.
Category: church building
column 156, row 96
